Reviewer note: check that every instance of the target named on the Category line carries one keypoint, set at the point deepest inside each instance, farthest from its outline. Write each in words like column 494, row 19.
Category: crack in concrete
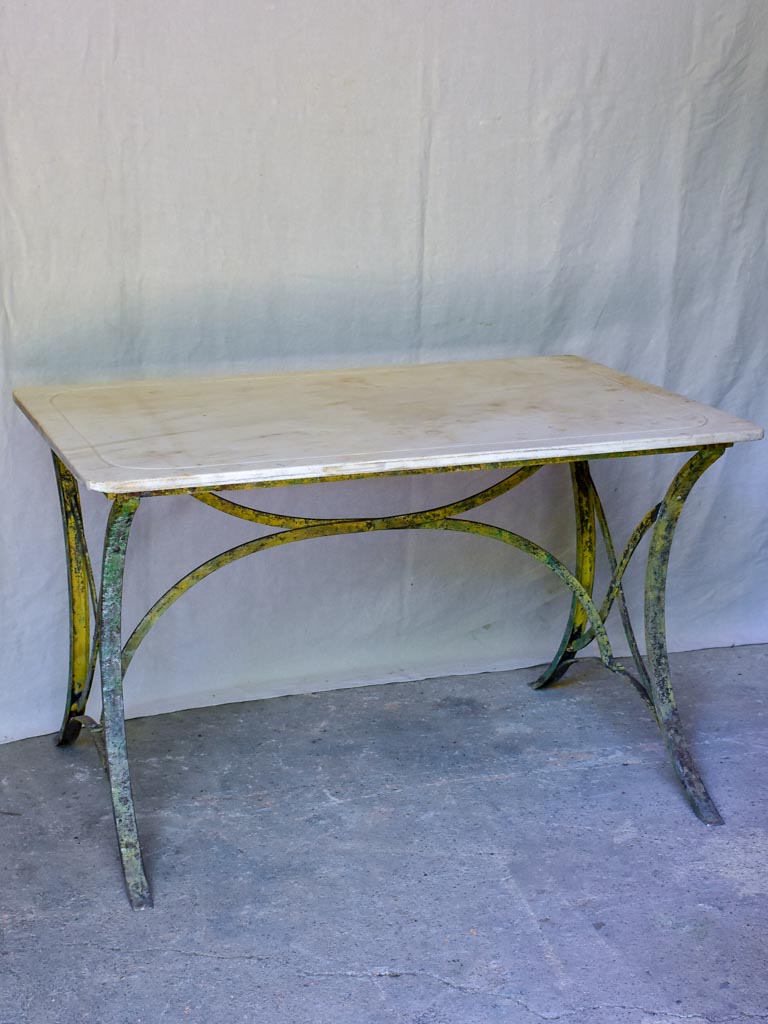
column 619, row 760
column 664, row 1014
column 189, row 952
column 375, row 976
column 476, row 990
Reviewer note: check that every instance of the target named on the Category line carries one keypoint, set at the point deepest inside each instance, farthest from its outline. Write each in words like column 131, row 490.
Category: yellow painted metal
column 297, row 522
column 80, row 583
column 586, row 551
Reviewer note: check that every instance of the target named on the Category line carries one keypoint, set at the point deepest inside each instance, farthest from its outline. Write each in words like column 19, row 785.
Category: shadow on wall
column 301, row 323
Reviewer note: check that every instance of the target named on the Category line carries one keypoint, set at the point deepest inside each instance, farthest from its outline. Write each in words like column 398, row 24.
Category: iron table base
column 586, row 620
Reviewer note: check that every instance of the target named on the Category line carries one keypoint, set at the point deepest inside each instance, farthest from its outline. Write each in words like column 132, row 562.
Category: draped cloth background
column 189, row 187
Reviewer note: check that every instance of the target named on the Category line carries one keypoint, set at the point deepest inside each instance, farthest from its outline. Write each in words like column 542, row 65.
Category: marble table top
column 150, row 435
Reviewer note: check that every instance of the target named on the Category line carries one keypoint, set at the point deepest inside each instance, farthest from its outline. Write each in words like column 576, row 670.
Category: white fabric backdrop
column 188, row 185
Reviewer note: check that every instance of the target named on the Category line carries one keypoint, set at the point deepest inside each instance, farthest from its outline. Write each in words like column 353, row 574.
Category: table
column 210, row 437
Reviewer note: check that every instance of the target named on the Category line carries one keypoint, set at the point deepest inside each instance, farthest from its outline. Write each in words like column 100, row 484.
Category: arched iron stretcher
column 586, row 620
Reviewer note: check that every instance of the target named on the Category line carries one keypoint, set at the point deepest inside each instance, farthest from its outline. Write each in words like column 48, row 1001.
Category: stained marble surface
column 166, row 433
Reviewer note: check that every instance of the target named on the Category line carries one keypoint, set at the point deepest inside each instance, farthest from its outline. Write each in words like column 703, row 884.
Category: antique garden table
column 210, row 437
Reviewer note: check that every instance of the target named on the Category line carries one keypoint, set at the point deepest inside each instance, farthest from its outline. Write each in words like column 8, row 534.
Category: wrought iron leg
column 116, row 540
column 655, row 635
column 81, row 588
column 585, row 574
column 653, row 679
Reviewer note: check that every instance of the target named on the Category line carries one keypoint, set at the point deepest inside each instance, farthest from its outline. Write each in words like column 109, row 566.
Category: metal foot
column 552, row 673
column 685, row 766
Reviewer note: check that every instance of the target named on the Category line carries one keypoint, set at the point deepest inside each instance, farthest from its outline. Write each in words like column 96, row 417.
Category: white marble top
column 154, row 434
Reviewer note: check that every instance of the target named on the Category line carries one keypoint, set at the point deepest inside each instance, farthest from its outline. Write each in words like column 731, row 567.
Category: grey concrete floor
column 455, row 851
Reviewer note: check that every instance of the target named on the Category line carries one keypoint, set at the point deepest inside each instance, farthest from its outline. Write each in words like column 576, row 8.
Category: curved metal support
column 575, row 640
column 615, row 591
column 655, row 634
column 618, row 568
column 585, row 573
column 113, row 715
column 417, row 520
column 252, row 515
column 551, row 562
column 82, row 592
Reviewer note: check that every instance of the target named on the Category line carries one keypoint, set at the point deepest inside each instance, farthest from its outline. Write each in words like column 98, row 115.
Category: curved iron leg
column 585, row 573
column 655, row 634
column 80, row 673
column 116, row 540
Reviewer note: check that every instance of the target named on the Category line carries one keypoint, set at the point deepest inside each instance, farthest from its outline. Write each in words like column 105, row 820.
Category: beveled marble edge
column 319, row 471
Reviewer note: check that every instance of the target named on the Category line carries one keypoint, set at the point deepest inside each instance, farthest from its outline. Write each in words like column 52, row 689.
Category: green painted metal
column 585, row 624
column 618, row 567
column 113, row 716
column 552, row 563
column 588, row 508
column 656, row 637
column 585, row 573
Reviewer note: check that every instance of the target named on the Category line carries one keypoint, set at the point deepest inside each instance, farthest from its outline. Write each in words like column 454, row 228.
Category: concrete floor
column 457, row 851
